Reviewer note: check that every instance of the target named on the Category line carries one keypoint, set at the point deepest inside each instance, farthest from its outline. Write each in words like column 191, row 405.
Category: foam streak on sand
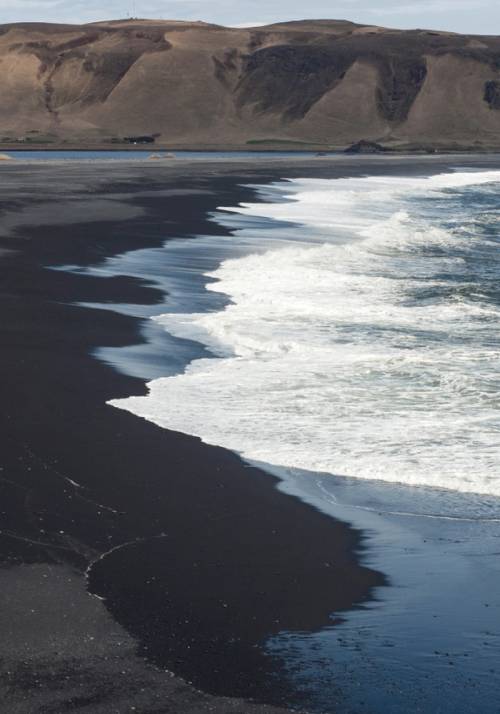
column 369, row 348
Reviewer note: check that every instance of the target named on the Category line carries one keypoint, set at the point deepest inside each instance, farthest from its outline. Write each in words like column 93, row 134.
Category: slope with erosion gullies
column 320, row 82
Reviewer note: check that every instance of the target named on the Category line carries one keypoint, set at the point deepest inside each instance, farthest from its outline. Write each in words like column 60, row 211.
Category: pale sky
column 470, row 16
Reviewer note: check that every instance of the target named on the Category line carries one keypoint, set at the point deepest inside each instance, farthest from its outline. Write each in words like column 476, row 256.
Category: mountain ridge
column 318, row 82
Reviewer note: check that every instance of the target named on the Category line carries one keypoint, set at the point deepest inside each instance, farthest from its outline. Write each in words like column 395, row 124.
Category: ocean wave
column 369, row 348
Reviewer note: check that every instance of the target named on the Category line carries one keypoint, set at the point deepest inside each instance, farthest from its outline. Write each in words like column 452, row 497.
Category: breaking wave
column 366, row 344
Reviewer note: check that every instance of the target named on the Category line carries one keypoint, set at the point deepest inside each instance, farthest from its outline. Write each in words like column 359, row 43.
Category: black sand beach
column 197, row 557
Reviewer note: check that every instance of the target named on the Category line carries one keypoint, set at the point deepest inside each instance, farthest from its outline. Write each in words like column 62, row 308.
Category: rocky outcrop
column 365, row 147
column 492, row 94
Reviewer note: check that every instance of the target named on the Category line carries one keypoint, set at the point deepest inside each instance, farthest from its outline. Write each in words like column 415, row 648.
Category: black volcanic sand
column 198, row 557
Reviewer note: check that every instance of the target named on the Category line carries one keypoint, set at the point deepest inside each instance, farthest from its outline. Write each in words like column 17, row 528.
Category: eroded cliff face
column 323, row 82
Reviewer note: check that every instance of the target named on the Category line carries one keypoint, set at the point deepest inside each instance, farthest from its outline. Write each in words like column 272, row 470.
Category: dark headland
column 318, row 84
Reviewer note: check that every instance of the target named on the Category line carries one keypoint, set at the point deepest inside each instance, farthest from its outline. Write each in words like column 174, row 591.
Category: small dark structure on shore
column 139, row 139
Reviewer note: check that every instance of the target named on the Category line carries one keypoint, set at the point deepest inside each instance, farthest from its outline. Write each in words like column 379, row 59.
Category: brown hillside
column 316, row 81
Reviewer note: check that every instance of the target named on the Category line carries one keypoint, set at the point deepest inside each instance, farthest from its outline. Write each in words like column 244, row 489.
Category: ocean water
column 134, row 155
column 358, row 334
column 345, row 336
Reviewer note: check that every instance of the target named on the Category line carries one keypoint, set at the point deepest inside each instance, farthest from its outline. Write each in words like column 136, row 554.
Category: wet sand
column 198, row 558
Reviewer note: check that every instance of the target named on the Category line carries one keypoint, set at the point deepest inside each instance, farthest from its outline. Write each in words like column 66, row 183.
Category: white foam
column 324, row 360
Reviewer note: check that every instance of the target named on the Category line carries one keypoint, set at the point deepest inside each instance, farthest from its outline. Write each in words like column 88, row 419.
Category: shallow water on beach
column 345, row 337
column 430, row 640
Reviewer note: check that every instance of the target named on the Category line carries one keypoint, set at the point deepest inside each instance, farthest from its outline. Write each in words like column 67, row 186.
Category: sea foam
column 367, row 346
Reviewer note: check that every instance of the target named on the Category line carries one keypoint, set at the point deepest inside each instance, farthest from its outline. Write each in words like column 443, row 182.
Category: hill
column 320, row 82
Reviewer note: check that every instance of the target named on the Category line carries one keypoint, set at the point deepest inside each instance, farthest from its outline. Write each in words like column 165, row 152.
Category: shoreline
column 288, row 147
column 60, row 432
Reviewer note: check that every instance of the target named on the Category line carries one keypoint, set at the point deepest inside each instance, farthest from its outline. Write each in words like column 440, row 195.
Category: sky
column 469, row 16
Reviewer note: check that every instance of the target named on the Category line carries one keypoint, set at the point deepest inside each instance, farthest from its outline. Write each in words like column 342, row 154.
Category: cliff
column 319, row 82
